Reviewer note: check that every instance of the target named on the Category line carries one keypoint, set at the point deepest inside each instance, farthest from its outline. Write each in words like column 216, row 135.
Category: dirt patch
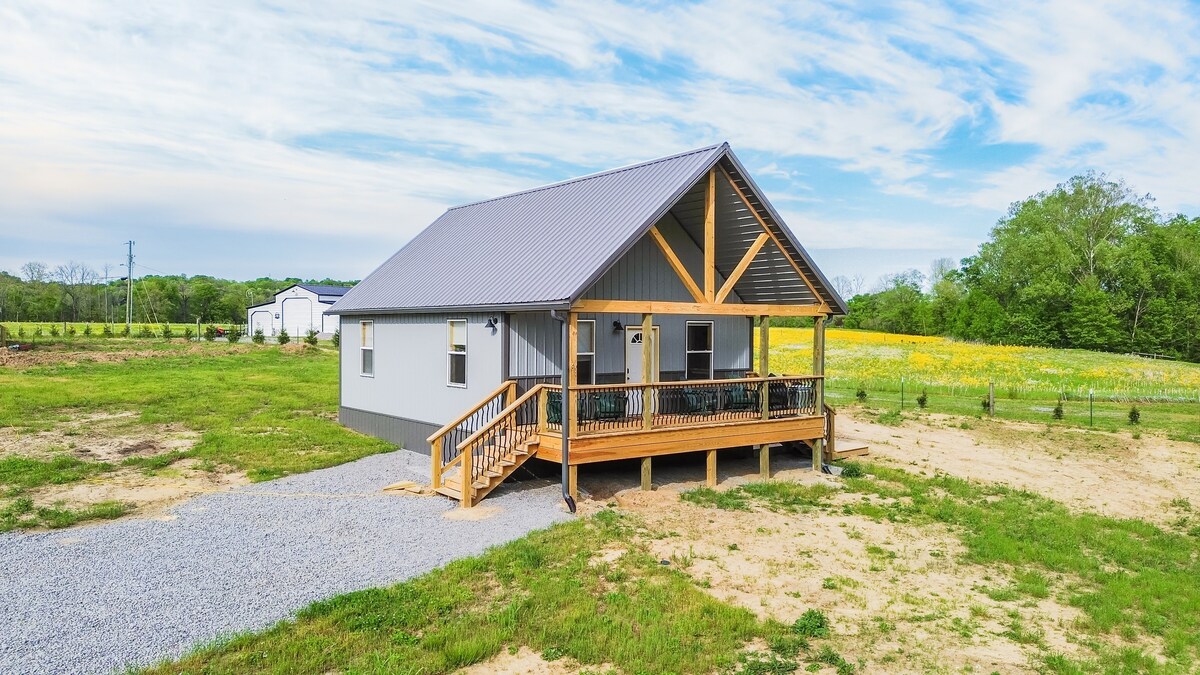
column 473, row 513
column 147, row 492
column 898, row 596
column 100, row 437
column 1108, row 473
column 525, row 661
column 108, row 352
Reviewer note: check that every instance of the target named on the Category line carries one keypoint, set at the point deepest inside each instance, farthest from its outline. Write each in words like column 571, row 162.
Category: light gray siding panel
column 535, row 344
column 410, row 366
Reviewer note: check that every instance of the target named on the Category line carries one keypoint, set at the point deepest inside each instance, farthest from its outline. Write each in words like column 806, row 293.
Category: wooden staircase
column 491, row 475
column 497, row 445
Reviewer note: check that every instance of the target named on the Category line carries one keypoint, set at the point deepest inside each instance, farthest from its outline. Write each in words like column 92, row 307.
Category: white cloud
column 195, row 113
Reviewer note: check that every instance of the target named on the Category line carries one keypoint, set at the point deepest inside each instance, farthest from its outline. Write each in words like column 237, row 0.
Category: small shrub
column 337, row 338
column 87, row 329
column 37, row 332
column 987, row 404
column 310, row 338
column 1058, row 409
column 107, row 331
column 210, row 332
column 70, row 331
column 258, row 338
column 1135, row 415
column 125, row 331
column 189, row 334
column 852, row 470
column 234, row 334
column 20, row 331
column 167, row 333
column 812, row 624
column 145, row 332
column 861, row 395
column 923, row 399
column 283, row 338
column 54, row 330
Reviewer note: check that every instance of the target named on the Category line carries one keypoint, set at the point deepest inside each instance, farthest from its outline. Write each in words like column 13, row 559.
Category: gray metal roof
column 323, row 290
column 546, row 246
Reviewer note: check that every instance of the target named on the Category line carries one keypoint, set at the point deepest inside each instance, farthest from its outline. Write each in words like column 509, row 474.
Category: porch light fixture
column 491, row 323
column 617, row 327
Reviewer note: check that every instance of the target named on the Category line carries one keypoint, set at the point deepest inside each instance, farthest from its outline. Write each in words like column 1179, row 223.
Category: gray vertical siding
column 410, row 366
column 642, row 274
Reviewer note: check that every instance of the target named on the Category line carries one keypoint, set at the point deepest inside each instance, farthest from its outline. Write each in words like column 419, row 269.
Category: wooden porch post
column 764, row 350
column 819, row 388
column 572, row 373
column 647, row 370
column 711, row 477
column 435, row 453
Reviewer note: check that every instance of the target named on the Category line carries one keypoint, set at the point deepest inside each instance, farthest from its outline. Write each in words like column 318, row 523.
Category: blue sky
column 312, row 139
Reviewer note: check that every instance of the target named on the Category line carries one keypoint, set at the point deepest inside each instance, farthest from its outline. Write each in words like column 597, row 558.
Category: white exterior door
column 633, row 355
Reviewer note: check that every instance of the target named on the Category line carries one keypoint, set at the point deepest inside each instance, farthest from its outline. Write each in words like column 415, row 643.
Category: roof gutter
column 561, row 317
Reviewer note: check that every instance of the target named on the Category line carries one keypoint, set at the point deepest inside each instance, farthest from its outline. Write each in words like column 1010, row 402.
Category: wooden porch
column 612, row 422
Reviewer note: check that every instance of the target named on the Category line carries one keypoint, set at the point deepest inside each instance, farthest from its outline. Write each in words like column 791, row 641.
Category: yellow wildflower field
column 879, row 360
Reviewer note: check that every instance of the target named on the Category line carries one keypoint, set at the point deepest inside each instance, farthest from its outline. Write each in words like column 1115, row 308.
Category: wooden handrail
column 447, row 428
column 512, row 407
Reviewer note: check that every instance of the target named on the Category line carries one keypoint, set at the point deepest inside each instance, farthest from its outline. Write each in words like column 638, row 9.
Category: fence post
column 902, row 393
column 1091, row 407
column 991, row 398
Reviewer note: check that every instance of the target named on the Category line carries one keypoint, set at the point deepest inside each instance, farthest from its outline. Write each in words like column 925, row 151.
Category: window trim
column 711, row 351
column 591, row 353
column 450, row 352
column 362, row 334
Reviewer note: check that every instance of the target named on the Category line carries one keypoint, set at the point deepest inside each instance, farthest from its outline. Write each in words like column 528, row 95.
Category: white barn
column 297, row 308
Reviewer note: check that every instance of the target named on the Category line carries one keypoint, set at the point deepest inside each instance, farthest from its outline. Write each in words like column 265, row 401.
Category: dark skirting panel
column 408, row 434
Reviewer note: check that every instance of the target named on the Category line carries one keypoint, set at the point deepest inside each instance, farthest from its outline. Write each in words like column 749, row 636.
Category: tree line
column 76, row 292
column 1089, row 265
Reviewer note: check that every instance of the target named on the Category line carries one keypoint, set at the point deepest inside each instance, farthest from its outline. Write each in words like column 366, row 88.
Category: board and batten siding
column 643, row 273
column 410, row 379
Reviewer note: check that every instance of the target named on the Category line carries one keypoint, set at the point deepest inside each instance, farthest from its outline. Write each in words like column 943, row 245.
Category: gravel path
column 99, row 598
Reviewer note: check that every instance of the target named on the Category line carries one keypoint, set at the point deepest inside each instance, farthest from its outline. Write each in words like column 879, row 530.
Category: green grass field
column 1028, row 381
column 265, row 410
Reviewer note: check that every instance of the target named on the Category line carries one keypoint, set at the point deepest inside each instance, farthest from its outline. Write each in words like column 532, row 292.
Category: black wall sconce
column 491, row 323
column 617, row 327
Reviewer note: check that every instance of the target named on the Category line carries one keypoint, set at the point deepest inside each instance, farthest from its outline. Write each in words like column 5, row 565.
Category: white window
column 366, row 348
column 585, row 354
column 699, row 360
column 456, row 352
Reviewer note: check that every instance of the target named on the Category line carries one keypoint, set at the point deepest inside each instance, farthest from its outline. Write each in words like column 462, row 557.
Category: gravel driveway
column 98, row 598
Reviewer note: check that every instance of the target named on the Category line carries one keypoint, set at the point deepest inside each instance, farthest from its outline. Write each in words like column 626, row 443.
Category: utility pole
column 129, row 289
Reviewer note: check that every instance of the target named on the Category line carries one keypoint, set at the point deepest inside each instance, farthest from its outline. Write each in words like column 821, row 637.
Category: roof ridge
column 591, row 176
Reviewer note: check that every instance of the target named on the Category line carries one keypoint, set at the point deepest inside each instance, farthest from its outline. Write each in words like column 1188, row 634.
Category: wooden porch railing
column 607, row 408
column 445, row 441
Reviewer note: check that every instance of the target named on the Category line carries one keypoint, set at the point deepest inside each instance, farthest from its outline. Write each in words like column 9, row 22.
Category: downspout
column 566, row 426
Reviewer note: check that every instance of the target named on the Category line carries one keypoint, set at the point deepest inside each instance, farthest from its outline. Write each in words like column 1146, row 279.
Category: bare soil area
column 525, row 661
column 112, row 439
column 898, row 596
column 46, row 355
column 1112, row 474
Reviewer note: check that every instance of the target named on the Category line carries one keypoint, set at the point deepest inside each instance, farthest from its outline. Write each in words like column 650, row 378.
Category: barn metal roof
column 545, row 247
column 323, row 290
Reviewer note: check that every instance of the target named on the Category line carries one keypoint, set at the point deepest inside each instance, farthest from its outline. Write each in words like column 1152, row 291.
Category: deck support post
column 647, row 370
column 646, row 486
column 764, row 460
column 573, row 481
column 711, row 477
column 819, row 391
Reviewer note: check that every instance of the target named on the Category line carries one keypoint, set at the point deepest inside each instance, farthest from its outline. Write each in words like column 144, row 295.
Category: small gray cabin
column 653, row 279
